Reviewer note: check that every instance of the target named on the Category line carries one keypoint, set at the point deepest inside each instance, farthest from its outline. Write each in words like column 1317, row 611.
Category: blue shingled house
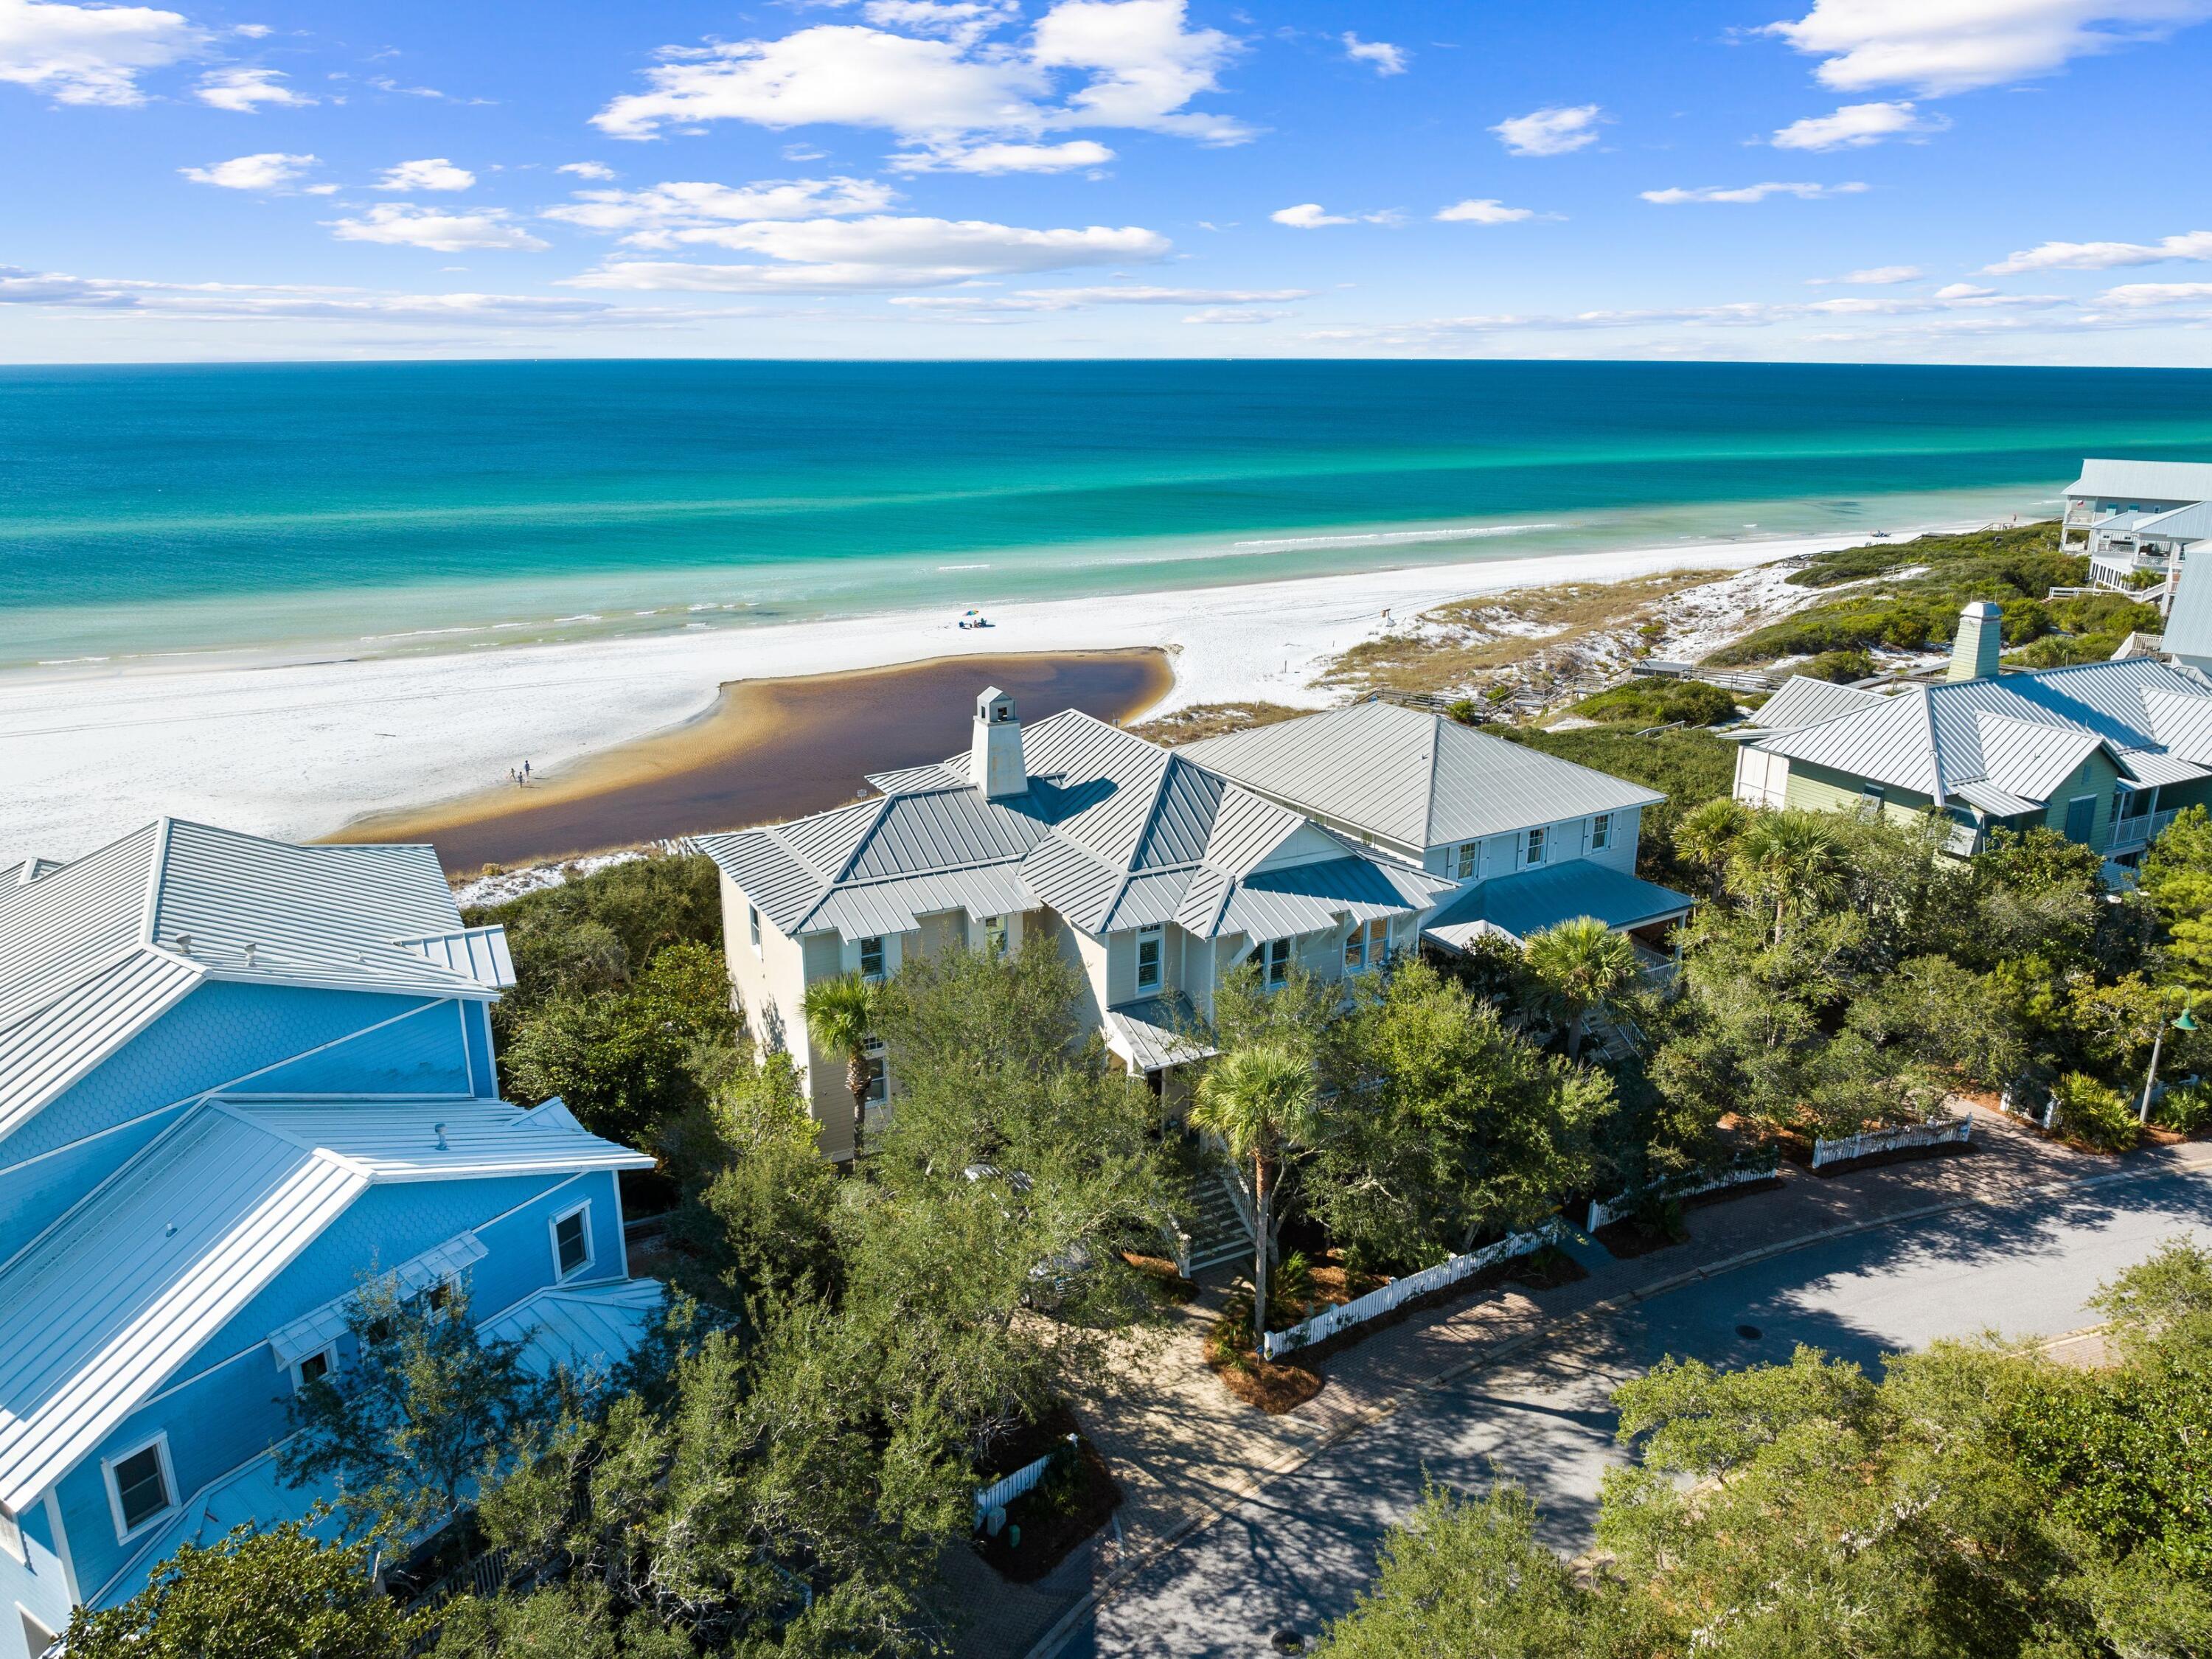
column 235, row 1074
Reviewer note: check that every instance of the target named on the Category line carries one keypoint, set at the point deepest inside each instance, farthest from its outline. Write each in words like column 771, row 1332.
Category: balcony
column 2130, row 834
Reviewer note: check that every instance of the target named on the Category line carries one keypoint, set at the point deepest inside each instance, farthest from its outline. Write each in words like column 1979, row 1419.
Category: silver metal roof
column 2181, row 524
column 1113, row 832
column 585, row 1331
column 1802, row 701
column 97, row 949
column 2189, row 620
column 101, row 1308
column 1148, row 1033
column 2023, row 733
column 1416, row 779
column 2145, row 481
column 1536, row 899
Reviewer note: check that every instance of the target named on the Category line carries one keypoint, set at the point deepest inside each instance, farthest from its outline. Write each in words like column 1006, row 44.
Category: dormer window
column 1150, row 942
column 871, row 958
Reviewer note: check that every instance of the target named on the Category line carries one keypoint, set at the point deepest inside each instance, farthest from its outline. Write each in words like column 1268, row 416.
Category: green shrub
column 2187, row 1108
column 1464, row 711
column 2093, row 1113
column 1659, row 702
column 1839, row 667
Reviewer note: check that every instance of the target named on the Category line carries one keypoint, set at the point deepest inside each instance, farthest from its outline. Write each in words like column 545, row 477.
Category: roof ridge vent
column 184, row 943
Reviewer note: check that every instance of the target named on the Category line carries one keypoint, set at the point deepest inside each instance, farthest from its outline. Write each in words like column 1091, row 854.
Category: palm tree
column 1788, row 860
column 1261, row 1102
column 1580, row 963
column 1707, row 836
column 840, row 1016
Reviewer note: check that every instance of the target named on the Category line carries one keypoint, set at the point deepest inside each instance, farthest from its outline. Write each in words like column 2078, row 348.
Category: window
column 1534, row 854
column 1149, row 943
column 752, row 915
column 1871, row 798
column 871, row 958
column 995, row 936
column 311, row 1366
column 1600, row 832
column 1367, row 944
column 572, row 1241
column 879, row 1073
column 139, row 1488
column 1273, row 959
column 1470, row 860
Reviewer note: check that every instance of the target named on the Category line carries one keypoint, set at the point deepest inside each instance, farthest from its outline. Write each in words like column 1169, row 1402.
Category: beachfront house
column 236, row 1075
column 1156, row 871
column 2138, row 521
column 2105, row 753
column 1528, row 839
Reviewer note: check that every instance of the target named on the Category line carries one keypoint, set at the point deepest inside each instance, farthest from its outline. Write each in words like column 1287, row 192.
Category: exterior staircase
column 1217, row 1230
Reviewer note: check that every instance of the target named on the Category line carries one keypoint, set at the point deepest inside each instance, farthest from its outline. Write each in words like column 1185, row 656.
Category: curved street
column 1296, row 1552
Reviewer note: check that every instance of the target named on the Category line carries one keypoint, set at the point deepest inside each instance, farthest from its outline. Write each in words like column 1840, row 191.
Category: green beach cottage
column 2105, row 753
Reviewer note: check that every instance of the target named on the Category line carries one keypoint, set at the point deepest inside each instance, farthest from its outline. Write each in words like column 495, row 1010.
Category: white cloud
column 434, row 174
column 253, row 30
column 1078, row 299
column 1005, row 158
column 401, row 224
column 1552, row 132
column 1309, row 215
column 2144, row 295
column 1484, row 210
column 1857, row 125
column 1676, row 196
column 1964, row 291
column 240, row 90
column 1941, row 46
column 1235, row 315
column 1138, row 65
column 650, row 218
column 1386, row 58
column 267, row 171
column 874, row 254
column 1872, row 276
column 89, row 54
column 253, row 301
column 587, row 169
column 2104, row 256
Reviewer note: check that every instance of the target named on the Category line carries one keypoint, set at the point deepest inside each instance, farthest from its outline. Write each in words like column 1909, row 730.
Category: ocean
column 363, row 509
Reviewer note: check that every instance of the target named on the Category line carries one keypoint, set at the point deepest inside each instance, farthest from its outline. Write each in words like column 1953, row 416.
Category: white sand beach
column 300, row 750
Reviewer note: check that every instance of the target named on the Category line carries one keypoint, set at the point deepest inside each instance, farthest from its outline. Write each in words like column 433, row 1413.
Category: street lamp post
column 2150, row 1081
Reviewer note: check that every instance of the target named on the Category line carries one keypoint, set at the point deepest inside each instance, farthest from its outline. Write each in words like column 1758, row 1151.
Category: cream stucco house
column 1157, row 872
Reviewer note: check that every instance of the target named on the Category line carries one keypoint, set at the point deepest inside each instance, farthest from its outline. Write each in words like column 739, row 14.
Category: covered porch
column 1515, row 907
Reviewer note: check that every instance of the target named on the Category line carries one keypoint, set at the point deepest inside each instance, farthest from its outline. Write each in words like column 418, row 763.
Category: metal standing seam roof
column 1802, row 701
column 587, row 1331
column 1113, row 832
column 2189, row 619
column 2014, row 730
column 316, row 1329
column 253, row 1493
column 1537, row 899
column 97, row 949
column 1417, row 779
column 100, row 1309
column 1148, row 1033
column 2191, row 523
column 2152, row 481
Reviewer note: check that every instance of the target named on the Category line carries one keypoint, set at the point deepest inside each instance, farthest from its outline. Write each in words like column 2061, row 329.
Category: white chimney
column 994, row 754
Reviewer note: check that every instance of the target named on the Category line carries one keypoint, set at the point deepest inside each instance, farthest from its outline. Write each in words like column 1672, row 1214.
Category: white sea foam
column 1387, row 538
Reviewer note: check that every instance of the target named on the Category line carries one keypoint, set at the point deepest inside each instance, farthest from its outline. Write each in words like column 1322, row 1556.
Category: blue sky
column 1917, row 181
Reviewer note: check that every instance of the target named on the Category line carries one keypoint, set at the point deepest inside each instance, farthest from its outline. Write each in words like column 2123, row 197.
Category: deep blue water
column 161, row 508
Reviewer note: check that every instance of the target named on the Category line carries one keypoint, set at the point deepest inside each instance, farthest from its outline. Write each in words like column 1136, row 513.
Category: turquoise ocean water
column 343, row 509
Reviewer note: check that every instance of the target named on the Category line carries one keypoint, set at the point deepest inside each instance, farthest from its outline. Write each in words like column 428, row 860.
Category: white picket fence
column 1400, row 1291
column 1003, row 1491
column 1602, row 1213
column 1940, row 1131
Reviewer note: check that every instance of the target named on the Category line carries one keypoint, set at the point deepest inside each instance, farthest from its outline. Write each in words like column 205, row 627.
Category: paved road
column 1296, row 1552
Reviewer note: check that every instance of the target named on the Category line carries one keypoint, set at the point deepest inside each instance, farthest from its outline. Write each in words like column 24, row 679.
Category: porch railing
column 2142, row 830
